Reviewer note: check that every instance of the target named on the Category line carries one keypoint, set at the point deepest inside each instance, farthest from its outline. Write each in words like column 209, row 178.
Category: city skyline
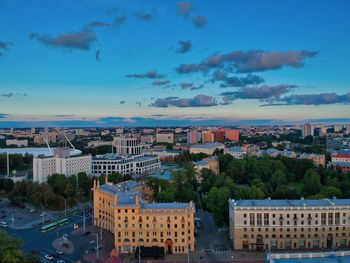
column 148, row 63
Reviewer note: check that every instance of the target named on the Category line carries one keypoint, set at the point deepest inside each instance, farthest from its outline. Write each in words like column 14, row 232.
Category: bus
column 55, row 224
column 62, row 221
column 49, row 227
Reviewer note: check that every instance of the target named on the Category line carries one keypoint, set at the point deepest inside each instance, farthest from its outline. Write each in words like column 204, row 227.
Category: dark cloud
column 5, row 45
column 138, row 103
column 145, row 16
column 197, row 87
column 184, row 46
column 199, row 21
column 3, row 115
column 235, row 81
column 76, row 40
column 160, row 82
column 249, row 61
column 97, row 55
column 148, row 75
column 95, row 24
column 197, row 101
column 12, row 94
column 186, row 85
column 184, row 8
column 262, row 93
column 312, row 99
column 118, row 21
column 122, row 102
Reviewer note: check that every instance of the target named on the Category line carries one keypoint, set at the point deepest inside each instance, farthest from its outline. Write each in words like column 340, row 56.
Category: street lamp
column 65, row 205
column 97, row 247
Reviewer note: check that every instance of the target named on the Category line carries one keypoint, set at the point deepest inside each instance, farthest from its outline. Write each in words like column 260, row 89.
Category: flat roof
column 289, row 203
column 207, row 145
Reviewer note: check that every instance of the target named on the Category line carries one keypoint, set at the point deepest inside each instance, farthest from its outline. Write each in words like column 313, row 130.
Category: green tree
column 312, row 183
column 278, row 178
column 10, row 249
column 330, row 192
column 217, row 202
column 166, row 195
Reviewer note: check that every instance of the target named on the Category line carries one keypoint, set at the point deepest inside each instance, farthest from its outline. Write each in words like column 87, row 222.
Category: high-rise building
column 165, row 138
column 61, row 163
column 194, row 136
column 232, row 135
column 135, row 223
column 219, row 135
column 207, row 136
column 307, row 130
column 289, row 224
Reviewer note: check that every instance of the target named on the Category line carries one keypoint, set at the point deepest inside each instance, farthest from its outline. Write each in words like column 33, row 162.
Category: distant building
column 147, row 139
column 165, row 138
column 207, row 136
column 210, row 163
column 119, row 131
column 16, row 142
column 164, row 155
column 207, row 148
column 194, row 137
column 50, row 137
column 236, row 152
column 232, row 135
column 341, row 156
column 317, row 159
column 134, row 165
column 135, row 223
column 61, row 163
column 307, row 130
column 126, row 145
column 219, row 135
column 94, row 144
column 342, row 166
column 289, row 224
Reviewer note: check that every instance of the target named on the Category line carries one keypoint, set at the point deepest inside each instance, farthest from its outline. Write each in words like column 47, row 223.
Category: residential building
column 219, row 135
column 307, row 130
column 207, row 148
column 194, row 137
column 232, row 135
column 16, row 142
column 121, row 210
column 147, row 139
column 94, row 144
column 165, row 138
column 289, row 224
column 317, row 159
column 207, row 136
column 61, row 163
column 342, row 166
column 341, row 156
column 164, row 155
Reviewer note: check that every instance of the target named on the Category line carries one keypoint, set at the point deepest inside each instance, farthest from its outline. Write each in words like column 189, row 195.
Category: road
column 34, row 239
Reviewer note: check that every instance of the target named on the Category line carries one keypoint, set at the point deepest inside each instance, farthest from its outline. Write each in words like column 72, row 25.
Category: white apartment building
column 126, row 145
column 60, row 163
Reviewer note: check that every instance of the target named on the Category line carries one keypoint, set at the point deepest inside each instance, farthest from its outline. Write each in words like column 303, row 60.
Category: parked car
column 60, row 261
column 3, row 224
column 59, row 252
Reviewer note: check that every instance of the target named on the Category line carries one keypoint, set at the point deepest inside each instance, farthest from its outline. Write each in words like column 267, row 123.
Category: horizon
column 173, row 63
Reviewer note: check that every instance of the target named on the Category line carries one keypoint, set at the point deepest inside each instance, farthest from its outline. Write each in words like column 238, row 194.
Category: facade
column 342, row 166
column 147, row 139
column 164, row 155
column 207, row 136
column 307, row 130
column 219, row 135
column 210, row 163
column 289, row 224
column 16, row 142
column 317, row 159
column 165, row 138
column 60, row 163
column 207, row 148
column 341, row 157
column 94, row 144
column 194, row 137
column 134, row 165
column 121, row 210
column 232, row 135
column 126, row 145
column 236, row 152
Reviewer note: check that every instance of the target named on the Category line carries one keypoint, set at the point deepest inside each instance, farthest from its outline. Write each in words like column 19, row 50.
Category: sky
column 156, row 62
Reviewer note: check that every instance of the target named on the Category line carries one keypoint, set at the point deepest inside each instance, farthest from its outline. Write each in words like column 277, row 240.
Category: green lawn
column 297, row 185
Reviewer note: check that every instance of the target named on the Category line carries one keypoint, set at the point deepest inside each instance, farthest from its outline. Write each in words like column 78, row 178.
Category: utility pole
column 8, row 164
column 65, row 206
column 97, row 247
column 84, row 220
column 13, row 221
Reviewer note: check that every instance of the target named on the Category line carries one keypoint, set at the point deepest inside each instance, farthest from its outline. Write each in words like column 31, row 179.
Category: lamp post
column 97, row 247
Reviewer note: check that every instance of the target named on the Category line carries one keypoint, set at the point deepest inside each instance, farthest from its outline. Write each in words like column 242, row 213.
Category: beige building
column 317, row 159
column 165, row 138
column 210, row 163
column 207, row 148
column 16, row 142
column 289, row 224
column 121, row 210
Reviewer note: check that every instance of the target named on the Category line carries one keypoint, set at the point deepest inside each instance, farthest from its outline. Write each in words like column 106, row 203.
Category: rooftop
column 207, row 145
column 289, row 203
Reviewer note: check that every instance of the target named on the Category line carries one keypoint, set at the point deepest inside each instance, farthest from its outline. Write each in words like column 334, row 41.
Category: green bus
column 49, row 227
column 62, row 221
column 53, row 225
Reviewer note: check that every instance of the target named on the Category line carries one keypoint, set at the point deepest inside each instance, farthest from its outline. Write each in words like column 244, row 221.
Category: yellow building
column 120, row 209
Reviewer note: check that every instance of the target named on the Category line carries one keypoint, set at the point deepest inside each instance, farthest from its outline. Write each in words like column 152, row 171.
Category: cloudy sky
column 147, row 62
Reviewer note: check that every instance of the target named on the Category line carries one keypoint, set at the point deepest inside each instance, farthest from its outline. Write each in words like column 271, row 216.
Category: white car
column 48, row 257
column 59, row 252
column 3, row 224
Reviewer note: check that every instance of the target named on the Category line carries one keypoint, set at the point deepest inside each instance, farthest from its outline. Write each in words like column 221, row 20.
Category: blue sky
column 104, row 62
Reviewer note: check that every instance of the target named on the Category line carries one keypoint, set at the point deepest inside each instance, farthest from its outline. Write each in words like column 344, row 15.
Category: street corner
column 63, row 244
